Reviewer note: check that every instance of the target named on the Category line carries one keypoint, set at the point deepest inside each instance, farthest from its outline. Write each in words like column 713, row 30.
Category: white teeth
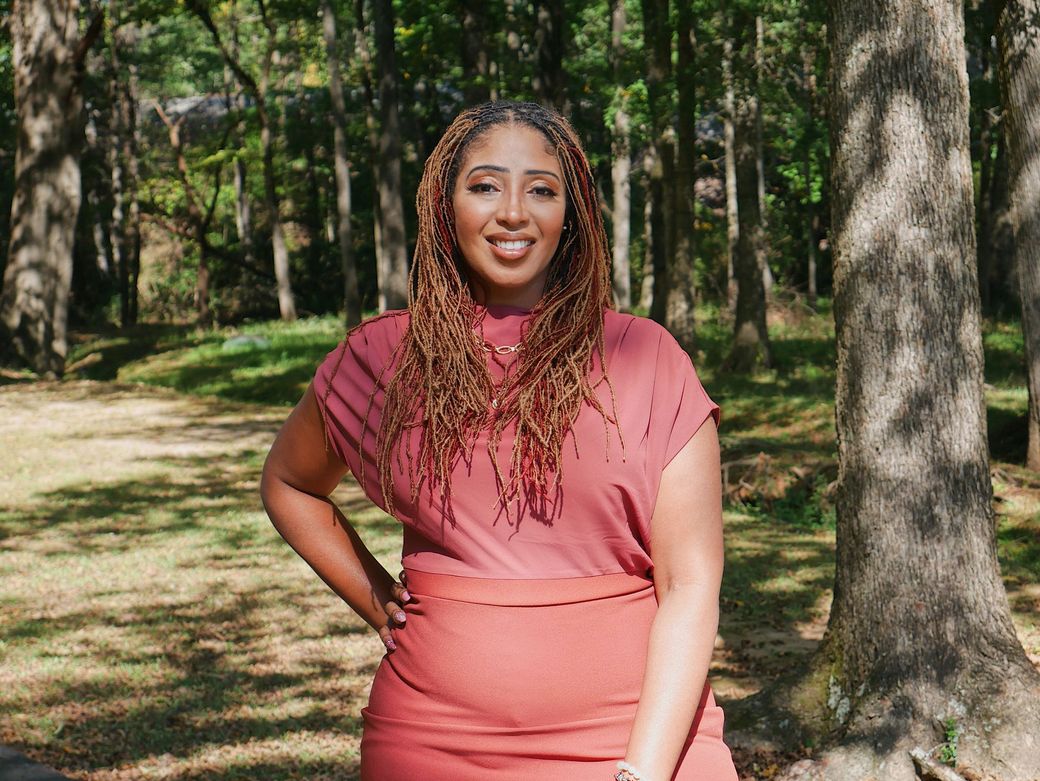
column 513, row 245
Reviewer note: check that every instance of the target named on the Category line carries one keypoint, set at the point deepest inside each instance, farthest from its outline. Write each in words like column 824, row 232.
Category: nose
column 512, row 211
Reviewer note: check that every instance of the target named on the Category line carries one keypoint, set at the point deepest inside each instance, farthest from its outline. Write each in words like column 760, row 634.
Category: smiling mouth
column 512, row 246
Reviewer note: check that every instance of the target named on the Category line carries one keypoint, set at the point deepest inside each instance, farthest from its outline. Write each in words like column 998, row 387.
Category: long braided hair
column 442, row 384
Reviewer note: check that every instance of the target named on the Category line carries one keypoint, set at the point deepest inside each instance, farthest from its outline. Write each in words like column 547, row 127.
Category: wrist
column 626, row 771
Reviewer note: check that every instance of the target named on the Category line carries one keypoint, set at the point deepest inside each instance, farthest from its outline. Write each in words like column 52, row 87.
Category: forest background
column 242, row 165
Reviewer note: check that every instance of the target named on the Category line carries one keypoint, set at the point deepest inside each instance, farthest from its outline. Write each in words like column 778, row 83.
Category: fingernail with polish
column 399, row 617
column 405, row 596
column 391, row 645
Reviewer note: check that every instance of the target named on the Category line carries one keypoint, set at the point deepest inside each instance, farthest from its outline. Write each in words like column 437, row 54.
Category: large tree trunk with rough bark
column 48, row 55
column 393, row 266
column 750, row 349
column 351, row 296
column 658, row 37
column 620, row 166
column 1019, row 39
column 920, row 642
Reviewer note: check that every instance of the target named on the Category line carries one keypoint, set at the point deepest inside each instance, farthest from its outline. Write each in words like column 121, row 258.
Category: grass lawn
column 154, row 626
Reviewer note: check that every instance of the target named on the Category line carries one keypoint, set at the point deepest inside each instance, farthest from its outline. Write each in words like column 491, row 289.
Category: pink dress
column 526, row 638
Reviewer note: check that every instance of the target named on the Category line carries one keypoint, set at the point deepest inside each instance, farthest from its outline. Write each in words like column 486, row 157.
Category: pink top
column 601, row 521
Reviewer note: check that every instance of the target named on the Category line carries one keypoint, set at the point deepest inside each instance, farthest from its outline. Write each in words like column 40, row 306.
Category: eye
column 481, row 187
column 544, row 191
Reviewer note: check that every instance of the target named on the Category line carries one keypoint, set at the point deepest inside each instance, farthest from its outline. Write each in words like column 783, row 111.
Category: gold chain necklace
column 499, row 349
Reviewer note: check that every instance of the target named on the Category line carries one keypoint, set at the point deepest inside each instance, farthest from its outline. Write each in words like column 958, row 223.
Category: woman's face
column 510, row 204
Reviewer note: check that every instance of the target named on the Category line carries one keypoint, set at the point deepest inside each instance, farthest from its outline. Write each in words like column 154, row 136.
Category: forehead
column 513, row 141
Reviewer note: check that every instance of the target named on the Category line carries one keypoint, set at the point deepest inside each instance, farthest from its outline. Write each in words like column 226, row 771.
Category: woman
column 556, row 476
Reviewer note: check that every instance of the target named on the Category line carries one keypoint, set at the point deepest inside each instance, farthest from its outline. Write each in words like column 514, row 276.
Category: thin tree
column 920, row 650
column 351, row 296
column 548, row 79
column 750, row 349
column 621, row 164
column 259, row 92
column 1019, row 38
column 657, row 34
column 682, row 295
column 392, row 258
column 48, row 60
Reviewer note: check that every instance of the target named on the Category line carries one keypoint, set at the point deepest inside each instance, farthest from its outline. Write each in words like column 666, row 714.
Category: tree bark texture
column 47, row 59
column 750, row 349
column 646, row 289
column 760, row 157
column 920, row 630
column 1019, row 38
column 658, row 37
column 729, row 106
column 682, row 296
column 620, row 167
column 351, row 295
column 393, row 281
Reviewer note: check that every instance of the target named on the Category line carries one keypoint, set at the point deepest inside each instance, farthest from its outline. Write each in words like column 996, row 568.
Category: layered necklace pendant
column 494, row 350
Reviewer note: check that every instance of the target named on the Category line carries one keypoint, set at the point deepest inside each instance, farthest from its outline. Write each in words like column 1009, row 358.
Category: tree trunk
column 620, row 167
column 682, row 295
column 729, row 142
column 132, row 144
column 548, row 79
column 809, row 88
column 99, row 229
column 750, row 349
column 476, row 60
column 760, row 161
column 117, row 220
column 393, row 283
column 351, row 296
column 286, row 300
column 1020, row 77
column 658, row 38
column 125, row 137
column 47, row 59
column 646, row 289
column 920, row 640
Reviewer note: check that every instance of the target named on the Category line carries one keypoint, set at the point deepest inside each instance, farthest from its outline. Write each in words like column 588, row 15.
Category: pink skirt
column 500, row 680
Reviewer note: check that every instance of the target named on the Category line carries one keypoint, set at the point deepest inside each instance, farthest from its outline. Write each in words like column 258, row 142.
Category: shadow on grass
column 212, row 699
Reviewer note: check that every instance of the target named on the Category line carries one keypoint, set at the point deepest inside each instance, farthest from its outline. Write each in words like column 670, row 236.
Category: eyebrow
column 502, row 170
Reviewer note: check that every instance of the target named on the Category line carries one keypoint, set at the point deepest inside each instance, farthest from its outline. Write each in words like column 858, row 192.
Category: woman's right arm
column 298, row 477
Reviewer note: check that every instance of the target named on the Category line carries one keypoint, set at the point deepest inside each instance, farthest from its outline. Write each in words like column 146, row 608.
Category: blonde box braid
column 442, row 384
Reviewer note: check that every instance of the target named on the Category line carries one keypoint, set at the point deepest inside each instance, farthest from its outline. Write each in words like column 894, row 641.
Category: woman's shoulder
column 637, row 334
column 379, row 336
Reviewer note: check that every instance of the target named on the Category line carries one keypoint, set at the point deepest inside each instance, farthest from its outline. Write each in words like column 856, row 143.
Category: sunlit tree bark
column 48, row 59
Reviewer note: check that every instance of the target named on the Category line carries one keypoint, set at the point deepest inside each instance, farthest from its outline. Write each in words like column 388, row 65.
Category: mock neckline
column 505, row 310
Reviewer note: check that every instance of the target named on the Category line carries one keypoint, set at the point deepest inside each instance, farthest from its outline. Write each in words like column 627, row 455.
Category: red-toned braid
column 442, row 384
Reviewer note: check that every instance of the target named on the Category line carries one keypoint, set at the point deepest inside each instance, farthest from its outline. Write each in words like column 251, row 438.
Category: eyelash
column 542, row 191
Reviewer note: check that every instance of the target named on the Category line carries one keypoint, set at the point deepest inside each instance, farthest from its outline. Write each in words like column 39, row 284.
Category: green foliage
column 947, row 751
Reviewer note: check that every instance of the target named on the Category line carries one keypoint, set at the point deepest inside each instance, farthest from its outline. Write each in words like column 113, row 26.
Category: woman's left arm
column 686, row 547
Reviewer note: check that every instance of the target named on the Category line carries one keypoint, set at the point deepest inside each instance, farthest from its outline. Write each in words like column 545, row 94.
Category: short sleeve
column 680, row 403
column 348, row 385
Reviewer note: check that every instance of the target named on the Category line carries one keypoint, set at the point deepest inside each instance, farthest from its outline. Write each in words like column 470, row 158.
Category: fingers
column 396, row 616
column 387, row 638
